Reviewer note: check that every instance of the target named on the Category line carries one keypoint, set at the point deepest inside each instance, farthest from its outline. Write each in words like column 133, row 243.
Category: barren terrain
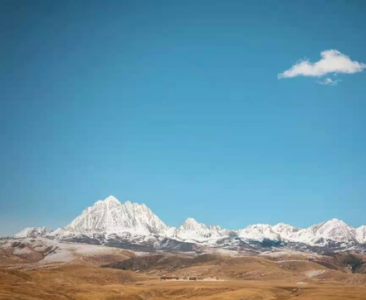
column 73, row 271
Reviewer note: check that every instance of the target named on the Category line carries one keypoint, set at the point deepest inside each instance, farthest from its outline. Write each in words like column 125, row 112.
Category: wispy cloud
column 328, row 81
column 332, row 61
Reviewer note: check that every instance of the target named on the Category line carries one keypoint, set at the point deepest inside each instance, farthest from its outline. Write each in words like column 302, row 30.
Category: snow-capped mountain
column 259, row 232
column 284, row 230
column 192, row 231
column 361, row 234
column 135, row 226
column 335, row 230
column 33, row 232
column 110, row 216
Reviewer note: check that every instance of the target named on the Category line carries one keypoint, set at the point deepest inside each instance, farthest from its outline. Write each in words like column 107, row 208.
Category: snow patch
column 314, row 273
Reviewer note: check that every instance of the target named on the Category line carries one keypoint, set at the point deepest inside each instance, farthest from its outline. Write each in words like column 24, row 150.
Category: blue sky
column 178, row 105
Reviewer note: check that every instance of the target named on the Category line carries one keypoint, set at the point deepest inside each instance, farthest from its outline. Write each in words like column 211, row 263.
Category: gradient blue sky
column 176, row 104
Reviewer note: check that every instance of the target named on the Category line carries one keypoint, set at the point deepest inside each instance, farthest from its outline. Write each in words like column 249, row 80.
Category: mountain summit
column 111, row 216
column 33, row 232
column 191, row 230
column 135, row 226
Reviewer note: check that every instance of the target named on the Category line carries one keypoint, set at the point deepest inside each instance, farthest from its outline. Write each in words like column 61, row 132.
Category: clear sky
column 178, row 105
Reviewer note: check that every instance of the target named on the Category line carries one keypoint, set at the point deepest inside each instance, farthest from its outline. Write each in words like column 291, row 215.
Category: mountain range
column 134, row 226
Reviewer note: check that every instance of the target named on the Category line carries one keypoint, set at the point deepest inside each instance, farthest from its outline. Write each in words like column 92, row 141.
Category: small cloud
column 328, row 81
column 332, row 61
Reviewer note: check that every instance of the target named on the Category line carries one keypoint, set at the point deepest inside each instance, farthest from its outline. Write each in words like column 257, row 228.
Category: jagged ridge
column 134, row 223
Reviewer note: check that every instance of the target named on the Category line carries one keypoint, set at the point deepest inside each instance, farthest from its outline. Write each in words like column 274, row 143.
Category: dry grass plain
column 86, row 282
column 89, row 283
column 44, row 270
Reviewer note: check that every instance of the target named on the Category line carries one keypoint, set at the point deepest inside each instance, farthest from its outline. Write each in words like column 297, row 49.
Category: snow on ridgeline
column 33, row 232
column 361, row 234
column 111, row 217
column 259, row 232
column 334, row 230
column 193, row 231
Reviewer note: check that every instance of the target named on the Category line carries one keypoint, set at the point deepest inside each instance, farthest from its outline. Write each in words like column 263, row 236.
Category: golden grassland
column 87, row 282
column 95, row 273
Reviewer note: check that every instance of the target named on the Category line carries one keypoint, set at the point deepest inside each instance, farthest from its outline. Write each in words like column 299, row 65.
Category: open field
column 114, row 274
column 87, row 283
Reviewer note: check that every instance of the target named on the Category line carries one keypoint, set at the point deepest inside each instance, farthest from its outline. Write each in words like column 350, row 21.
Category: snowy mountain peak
column 259, row 232
column 334, row 229
column 191, row 230
column 110, row 219
column 333, row 224
column 192, row 224
column 33, row 232
column 281, row 225
column 112, row 199
column 215, row 227
column 286, row 231
column 110, row 216
column 335, row 220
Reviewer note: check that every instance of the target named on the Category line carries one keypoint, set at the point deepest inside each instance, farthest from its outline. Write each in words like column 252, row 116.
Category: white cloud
column 332, row 61
column 328, row 81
